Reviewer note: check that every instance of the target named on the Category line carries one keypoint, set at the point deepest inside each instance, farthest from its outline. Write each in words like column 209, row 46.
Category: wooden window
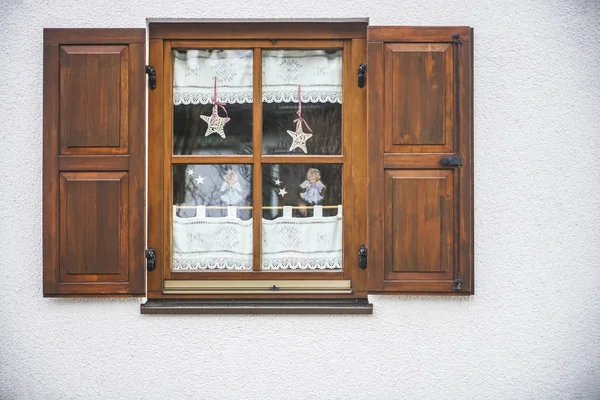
column 277, row 235
column 395, row 160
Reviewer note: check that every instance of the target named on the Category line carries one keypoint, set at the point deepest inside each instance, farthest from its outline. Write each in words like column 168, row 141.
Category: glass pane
column 314, row 127
column 212, row 217
column 212, row 97
column 302, row 217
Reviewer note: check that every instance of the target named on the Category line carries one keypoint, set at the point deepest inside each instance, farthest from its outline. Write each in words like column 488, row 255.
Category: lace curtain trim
column 212, row 243
column 318, row 72
column 225, row 243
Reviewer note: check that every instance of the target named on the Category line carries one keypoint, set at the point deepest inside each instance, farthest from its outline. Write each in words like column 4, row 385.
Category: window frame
column 163, row 37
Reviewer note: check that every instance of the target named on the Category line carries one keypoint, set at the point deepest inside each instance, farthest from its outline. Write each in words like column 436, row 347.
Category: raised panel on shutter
column 419, row 224
column 94, row 162
column 93, row 96
column 420, row 216
column 418, row 115
column 93, row 226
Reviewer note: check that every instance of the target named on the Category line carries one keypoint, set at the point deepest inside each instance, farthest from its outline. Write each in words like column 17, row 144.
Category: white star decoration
column 215, row 122
column 282, row 192
column 199, row 180
column 277, row 182
column 299, row 137
column 190, row 172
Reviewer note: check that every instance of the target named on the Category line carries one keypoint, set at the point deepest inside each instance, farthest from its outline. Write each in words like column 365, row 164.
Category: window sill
column 312, row 306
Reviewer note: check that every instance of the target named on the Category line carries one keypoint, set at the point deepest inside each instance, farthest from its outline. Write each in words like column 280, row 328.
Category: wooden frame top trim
column 94, row 36
column 421, row 34
column 259, row 30
column 253, row 43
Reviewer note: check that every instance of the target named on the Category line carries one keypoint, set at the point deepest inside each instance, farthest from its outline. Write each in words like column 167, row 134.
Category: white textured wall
column 532, row 331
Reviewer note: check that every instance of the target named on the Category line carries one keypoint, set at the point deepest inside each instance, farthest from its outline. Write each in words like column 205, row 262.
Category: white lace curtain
column 225, row 243
column 319, row 73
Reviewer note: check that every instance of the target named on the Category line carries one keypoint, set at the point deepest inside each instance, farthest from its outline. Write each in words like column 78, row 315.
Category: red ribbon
column 300, row 120
column 217, row 103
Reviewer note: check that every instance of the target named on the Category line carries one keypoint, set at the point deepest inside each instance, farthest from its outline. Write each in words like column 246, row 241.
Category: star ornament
column 299, row 138
column 199, row 180
column 277, row 182
column 216, row 123
column 190, row 172
column 282, row 192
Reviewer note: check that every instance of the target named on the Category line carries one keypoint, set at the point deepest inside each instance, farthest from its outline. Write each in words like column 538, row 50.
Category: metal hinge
column 362, row 256
column 150, row 259
column 452, row 161
column 151, row 77
column 456, row 39
column 457, row 284
column 362, row 69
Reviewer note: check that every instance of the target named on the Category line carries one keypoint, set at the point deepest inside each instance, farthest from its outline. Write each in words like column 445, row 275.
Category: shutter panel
column 420, row 111
column 94, row 162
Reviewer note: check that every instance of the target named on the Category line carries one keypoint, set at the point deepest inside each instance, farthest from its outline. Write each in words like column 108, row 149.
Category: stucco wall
column 532, row 331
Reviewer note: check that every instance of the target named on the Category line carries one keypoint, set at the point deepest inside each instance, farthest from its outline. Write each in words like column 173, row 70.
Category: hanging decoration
column 282, row 192
column 231, row 189
column 216, row 123
column 313, row 186
column 299, row 136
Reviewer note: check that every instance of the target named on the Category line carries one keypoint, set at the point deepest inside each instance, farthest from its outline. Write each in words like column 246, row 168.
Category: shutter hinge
column 452, row 161
column 362, row 256
column 456, row 38
column 150, row 259
column 362, row 69
column 457, row 284
column 151, row 77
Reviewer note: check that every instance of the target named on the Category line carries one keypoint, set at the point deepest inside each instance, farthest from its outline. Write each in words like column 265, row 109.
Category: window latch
column 362, row 256
column 452, row 161
column 151, row 77
column 150, row 259
column 362, row 69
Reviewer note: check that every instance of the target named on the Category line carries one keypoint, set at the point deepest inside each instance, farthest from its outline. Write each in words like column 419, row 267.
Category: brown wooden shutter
column 420, row 117
column 94, row 162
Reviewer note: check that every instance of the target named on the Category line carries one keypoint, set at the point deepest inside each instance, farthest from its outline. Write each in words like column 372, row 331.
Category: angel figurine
column 313, row 186
column 232, row 188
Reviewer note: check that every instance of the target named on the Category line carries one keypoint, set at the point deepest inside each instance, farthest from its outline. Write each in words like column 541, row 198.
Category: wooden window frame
column 163, row 37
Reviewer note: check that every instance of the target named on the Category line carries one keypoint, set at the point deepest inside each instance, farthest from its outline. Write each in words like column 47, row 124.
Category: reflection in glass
column 302, row 217
column 315, row 76
column 301, row 185
column 212, row 97
column 212, row 217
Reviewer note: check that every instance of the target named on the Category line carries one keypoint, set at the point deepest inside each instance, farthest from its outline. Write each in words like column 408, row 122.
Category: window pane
column 212, row 217
column 317, row 76
column 202, row 122
column 302, row 217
